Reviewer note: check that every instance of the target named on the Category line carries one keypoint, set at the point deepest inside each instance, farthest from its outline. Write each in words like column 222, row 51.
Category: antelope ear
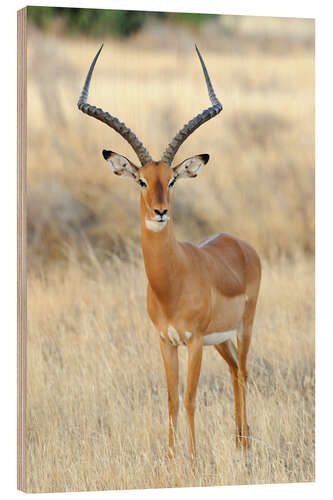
column 191, row 167
column 121, row 165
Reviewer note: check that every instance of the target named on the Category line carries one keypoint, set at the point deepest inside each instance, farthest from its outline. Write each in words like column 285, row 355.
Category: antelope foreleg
column 193, row 374
column 170, row 359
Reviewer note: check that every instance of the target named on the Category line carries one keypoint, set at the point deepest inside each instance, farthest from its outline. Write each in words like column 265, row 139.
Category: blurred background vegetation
column 262, row 69
column 99, row 22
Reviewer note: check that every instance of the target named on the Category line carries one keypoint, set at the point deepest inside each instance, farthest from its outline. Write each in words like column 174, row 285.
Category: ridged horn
column 198, row 120
column 109, row 120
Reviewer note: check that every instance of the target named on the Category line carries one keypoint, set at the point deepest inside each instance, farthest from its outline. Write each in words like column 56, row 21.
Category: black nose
column 159, row 212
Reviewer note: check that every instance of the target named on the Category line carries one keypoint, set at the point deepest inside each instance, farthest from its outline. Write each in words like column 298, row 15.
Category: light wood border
column 21, row 246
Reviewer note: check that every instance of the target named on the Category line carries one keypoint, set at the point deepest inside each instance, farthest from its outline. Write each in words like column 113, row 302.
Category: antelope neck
column 161, row 257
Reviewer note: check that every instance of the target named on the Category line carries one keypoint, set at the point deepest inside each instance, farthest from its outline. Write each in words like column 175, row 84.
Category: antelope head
column 154, row 178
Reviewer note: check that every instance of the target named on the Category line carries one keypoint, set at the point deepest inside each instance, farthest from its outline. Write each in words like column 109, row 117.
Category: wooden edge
column 21, row 247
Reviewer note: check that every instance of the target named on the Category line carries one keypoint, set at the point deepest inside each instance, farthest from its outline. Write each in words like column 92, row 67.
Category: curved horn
column 198, row 120
column 112, row 121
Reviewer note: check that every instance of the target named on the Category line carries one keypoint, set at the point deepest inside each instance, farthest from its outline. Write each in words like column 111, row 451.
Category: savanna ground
column 97, row 402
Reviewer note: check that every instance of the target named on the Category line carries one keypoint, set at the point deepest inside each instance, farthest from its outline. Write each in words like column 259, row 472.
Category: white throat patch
column 154, row 225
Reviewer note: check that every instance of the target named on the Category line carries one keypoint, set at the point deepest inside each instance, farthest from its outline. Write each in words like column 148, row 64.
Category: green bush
column 99, row 22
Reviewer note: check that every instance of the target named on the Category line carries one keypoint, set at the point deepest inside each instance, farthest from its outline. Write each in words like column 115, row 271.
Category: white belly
column 211, row 339
column 218, row 337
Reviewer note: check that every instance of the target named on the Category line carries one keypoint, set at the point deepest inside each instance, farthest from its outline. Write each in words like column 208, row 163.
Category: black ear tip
column 106, row 154
column 205, row 158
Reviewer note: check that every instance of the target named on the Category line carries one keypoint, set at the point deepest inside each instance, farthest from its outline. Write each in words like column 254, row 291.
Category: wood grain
column 21, row 248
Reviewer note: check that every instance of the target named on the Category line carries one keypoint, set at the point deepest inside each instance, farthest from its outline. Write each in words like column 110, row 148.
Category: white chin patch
column 155, row 226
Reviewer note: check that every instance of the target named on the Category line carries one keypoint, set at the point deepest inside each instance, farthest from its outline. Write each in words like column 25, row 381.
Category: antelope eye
column 142, row 183
column 172, row 182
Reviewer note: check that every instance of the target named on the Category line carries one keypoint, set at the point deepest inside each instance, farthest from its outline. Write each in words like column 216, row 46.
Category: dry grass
column 97, row 405
column 97, row 398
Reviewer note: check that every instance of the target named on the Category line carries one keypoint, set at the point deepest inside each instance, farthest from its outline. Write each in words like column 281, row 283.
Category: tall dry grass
column 97, row 398
column 97, row 404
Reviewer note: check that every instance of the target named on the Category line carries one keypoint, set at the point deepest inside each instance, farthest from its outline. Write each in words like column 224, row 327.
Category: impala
column 197, row 294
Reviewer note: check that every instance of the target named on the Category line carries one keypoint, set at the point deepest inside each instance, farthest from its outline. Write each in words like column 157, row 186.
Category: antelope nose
column 160, row 212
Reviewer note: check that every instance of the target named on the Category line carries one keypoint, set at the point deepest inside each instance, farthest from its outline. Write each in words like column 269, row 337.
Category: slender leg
column 170, row 359
column 193, row 374
column 243, row 344
column 242, row 378
column 228, row 352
